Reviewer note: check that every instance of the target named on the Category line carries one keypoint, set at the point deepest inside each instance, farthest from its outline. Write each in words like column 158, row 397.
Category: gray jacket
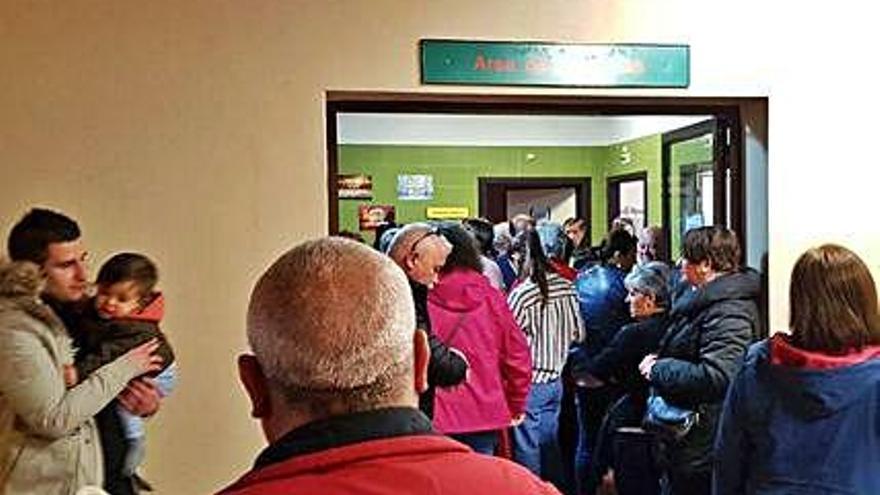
column 48, row 440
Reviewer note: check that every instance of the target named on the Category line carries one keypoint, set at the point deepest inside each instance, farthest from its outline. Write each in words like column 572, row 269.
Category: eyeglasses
column 433, row 231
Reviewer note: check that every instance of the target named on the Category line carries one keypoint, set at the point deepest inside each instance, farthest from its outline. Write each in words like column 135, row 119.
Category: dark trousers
column 592, row 404
column 114, row 448
column 634, row 464
column 482, row 442
column 687, row 483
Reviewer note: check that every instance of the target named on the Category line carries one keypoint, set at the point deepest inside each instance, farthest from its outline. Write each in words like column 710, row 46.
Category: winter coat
column 48, row 440
column 700, row 354
column 414, row 464
column 619, row 361
column 445, row 368
column 602, row 298
column 806, row 423
column 470, row 315
column 103, row 340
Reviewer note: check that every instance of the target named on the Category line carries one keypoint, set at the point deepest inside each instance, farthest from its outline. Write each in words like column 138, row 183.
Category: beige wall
column 193, row 131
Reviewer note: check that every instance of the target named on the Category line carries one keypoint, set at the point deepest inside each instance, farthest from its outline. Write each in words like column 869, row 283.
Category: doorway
column 628, row 198
column 560, row 197
column 699, row 181
column 678, row 193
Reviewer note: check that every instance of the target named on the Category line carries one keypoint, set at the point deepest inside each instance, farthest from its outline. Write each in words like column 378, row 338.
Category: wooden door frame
column 727, row 157
column 581, row 185
column 728, row 110
column 612, row 196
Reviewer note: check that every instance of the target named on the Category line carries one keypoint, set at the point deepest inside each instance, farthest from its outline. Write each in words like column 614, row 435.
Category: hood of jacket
column 744, row 285
column 152, row 312
column 461, row 291
column 20, row 287
column 812, row 385
column 20, row 279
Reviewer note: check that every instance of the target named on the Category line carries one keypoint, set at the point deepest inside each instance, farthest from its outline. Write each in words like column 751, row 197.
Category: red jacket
column 415, row 464
column 470, row 315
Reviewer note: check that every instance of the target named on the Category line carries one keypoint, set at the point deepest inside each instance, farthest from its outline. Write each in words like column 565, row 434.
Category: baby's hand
column 70, row 375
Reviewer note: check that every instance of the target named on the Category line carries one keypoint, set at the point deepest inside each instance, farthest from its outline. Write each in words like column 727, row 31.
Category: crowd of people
column 454, row 345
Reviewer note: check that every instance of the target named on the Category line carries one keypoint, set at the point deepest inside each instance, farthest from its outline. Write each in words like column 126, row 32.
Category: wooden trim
column 582, row 186
column 388, row 102
column 611, row 190
column 332, row 167
column 667, row 140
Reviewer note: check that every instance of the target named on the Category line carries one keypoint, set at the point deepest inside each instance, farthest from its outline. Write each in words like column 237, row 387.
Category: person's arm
column 33, row 386
column 597, row 370
column 446, row 367
column 141, row 397
column 723, row 345
column 116, row 339
column 581, row 329
column 516, row 360
column 732, row 452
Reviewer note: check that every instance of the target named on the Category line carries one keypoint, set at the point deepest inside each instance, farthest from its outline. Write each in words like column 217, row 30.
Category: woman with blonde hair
column 803, row 415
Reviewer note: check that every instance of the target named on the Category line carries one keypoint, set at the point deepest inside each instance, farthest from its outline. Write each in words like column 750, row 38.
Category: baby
column 125, row 313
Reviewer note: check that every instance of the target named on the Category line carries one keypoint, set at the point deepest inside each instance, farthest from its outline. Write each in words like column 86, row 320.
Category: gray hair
column 331, row 322
column 404, row 239
column 652, row 278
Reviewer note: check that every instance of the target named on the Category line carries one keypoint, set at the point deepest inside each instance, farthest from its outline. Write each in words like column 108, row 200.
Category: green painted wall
column 685, row 154
column 644, row 155
column 455, row 170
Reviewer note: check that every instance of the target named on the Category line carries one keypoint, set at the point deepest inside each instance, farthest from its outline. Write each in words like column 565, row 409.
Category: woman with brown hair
column 803, row 416
column 711, row 326
column 469, row 314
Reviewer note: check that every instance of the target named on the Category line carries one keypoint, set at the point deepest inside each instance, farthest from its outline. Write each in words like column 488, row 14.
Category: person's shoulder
column 27, row 315
column 430, row 463
column 496, row 474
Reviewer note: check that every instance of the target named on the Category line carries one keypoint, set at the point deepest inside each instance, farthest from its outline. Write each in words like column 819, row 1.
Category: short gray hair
column 332, row 321
column 652, row 278
column 404, row 239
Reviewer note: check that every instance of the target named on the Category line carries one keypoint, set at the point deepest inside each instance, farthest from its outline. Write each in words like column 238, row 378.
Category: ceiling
column 502, row 130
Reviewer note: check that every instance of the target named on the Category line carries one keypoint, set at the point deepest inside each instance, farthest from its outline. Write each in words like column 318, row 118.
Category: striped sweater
column 550, row 328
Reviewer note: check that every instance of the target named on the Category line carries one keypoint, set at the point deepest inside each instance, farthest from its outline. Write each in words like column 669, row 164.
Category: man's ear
column 409, row 262
column 251, row 375
column 422, row 353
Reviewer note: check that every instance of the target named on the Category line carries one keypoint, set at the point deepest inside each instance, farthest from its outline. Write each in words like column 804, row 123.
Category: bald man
column 334, row 380
column 420, row 250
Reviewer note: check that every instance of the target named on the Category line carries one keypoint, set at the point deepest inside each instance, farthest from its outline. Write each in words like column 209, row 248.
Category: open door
column 699, row 178
column 502, row 197
column 628, row 198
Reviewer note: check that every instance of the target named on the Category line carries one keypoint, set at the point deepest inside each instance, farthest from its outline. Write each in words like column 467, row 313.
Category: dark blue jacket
column 709, row 332
column 794, row 430
column 602, row 299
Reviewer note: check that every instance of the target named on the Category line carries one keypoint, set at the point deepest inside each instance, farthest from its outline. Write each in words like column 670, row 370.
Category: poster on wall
column 415, row 187
column 354, row 186
column 371, row 216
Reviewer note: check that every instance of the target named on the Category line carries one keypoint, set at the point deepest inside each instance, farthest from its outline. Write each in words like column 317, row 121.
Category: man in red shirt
column 334, row 380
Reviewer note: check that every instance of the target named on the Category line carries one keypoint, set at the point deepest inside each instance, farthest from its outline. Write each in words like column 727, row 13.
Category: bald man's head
column 331, row 325
column 421, row 251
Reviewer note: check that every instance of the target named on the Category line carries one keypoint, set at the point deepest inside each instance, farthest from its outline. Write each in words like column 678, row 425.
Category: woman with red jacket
column 467, row 313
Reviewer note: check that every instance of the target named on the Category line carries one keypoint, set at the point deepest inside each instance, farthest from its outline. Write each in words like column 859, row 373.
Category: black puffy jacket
column 702, row 351
column 445, row 368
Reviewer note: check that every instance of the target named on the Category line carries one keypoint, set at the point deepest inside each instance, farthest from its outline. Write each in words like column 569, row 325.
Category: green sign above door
column 555, row 64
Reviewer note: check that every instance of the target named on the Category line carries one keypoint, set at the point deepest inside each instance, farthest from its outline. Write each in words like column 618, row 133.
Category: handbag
column 667, row 420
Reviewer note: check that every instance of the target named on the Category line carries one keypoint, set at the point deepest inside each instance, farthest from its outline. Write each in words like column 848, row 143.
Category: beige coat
column 48, row 440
